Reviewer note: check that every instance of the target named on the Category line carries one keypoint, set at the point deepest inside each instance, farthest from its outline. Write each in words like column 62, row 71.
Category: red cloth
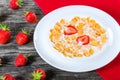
column 112, row 70
column 110, row 6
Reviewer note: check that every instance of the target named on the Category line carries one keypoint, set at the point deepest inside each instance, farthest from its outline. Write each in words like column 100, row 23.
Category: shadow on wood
column 5, row 60
column 31, row 59
column 50, row 74
column 19, row 78
column 3, row 18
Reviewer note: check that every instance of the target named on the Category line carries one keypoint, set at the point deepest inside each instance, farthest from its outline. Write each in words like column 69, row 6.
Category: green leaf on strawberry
column 20, row 3
column 39, row 74
column 15, row 4
column 2, row 77
column 5, row 34
column 4, row 27
column 26, row 32
column 7, row 77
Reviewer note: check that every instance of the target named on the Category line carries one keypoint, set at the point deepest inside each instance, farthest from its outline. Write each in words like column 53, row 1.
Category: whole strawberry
column 39, row 74
column 22, row 37
column 8, row 77
column 20, row 60
column 31, row 17
column 15, row 4
column 5, row 34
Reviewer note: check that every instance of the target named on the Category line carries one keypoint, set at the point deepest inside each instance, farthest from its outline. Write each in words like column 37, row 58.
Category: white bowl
column 54, row 58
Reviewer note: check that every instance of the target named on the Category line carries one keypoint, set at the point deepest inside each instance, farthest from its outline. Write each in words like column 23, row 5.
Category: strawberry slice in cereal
column 69, row 30
column 83, row 39
column 78, row 37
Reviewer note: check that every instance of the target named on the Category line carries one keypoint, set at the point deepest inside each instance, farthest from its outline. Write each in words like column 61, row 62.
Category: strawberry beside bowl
column 46, row 51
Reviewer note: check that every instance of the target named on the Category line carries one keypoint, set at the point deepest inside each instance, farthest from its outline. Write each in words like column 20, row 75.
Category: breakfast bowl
column 77, row 38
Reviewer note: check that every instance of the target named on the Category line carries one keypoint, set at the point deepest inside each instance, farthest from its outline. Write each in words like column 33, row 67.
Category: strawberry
column 31, row 17
column 69, row 30
column 4, row 34
column 39, row 74
column 15, row 4
column 83, row 39
column 8, row 77
column 20, row 60
column 22, row 37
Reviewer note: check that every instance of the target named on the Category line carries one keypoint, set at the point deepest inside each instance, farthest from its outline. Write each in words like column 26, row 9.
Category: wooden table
column 16, row 21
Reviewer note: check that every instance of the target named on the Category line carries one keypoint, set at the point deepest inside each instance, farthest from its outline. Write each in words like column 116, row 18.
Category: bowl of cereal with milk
column 77, row 38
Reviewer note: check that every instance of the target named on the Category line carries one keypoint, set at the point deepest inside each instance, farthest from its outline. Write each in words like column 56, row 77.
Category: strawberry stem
column 4, row 27
column 26, row 12
column 2, row 77
column 26, row 32
column 20, row 3
column 26, row 56
column 37, row 75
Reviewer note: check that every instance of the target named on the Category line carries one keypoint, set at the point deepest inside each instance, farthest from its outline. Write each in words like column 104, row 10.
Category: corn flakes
column 67, row 45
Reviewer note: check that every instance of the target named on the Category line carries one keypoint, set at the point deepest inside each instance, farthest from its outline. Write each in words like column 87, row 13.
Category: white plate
column 54, row 58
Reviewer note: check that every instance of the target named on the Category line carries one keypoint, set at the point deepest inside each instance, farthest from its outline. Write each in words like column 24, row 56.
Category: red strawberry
column 22, row 37
column 15, row 4
column 4, row 34
column 31, row 17
column 69, row 30
column 20, row 60
column 39, row 74
column 8, row 77
column 84, row 39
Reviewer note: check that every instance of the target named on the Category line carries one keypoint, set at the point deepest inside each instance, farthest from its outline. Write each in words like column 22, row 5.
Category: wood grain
column 16, row 21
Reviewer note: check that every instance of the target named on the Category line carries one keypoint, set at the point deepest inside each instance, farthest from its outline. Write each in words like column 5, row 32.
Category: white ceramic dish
column 54, row 58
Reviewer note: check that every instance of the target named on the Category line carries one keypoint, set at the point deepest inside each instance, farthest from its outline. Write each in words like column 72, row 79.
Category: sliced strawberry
column 8, row 77
column 39, row 74
column 83, row 39
column 15, row 4
column 69, row 30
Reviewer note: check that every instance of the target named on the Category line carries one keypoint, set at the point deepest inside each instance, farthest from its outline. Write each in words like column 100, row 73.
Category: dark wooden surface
column 16, row 21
